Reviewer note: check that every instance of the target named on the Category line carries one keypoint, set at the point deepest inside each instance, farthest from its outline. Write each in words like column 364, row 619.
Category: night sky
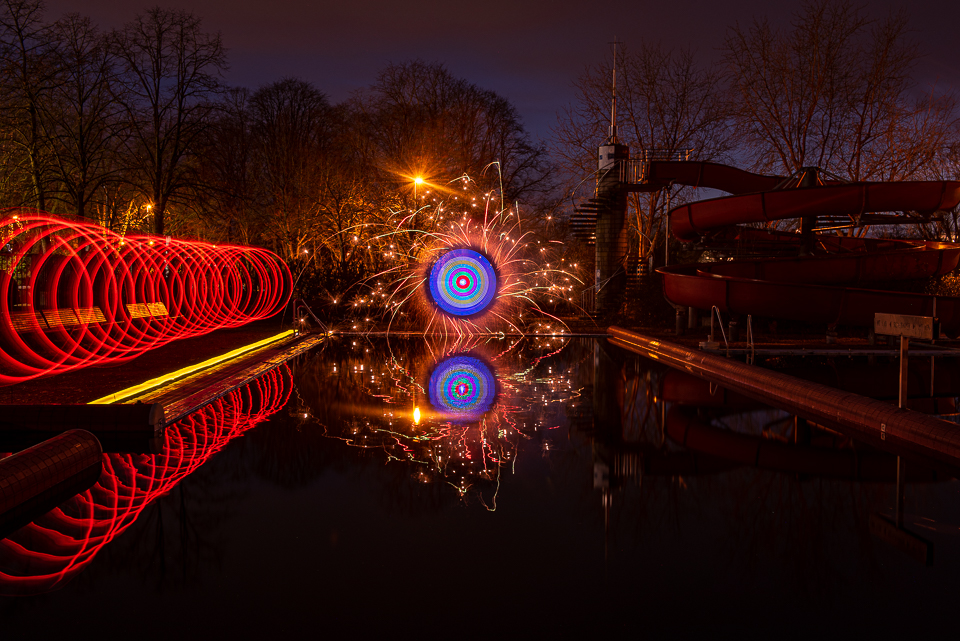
column 527, row 51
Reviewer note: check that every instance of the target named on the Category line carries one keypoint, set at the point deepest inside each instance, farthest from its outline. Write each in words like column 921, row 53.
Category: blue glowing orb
column 462, row 388
column 462, row 282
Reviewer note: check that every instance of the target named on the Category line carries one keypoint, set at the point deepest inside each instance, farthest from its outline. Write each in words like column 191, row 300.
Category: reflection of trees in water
column 178, row 537
column 641, row 407
column 756, row 520
column 363, row 394
column 289, row 453
column 50, row 551
column 808, row 524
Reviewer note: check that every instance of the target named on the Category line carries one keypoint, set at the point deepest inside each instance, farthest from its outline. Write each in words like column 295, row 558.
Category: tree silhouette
column 835, row 91
column 170, row 71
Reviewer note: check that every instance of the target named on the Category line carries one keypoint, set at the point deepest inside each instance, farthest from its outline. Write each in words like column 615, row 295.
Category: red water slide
column 821, row 287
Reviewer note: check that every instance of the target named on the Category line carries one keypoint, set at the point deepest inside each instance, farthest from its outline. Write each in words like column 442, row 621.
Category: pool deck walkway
column 86, row 385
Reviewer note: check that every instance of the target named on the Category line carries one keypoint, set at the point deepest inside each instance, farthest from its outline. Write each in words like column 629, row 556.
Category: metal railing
column 635, row 170
column 588, row 299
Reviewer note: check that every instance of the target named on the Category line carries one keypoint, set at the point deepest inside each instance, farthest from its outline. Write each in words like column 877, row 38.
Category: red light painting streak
column 46, row 554
column 74, row 294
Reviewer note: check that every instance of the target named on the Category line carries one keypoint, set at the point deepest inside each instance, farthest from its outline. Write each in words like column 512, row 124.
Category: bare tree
column 291, row 125
column 26, row 76
column 425, row 121
column 80, row 116
column 352, row 208
column 170, row 73
column 835, row 91
column 232, row 206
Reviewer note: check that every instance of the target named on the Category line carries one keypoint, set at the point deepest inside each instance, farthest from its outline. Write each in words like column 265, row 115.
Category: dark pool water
column 544, row 490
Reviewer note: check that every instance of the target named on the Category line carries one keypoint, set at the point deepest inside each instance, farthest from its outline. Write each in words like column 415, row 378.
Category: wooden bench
column 45, row 319
column 53, row 318
column 73, row 316
column 27, row 322
column 64, row 317
column 147, row 310
column 90, row 315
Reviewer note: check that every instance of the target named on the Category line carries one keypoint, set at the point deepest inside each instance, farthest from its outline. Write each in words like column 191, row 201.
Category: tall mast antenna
column 613, row 106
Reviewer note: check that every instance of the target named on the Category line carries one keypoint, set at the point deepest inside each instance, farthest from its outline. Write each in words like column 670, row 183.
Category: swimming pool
column 566, row 501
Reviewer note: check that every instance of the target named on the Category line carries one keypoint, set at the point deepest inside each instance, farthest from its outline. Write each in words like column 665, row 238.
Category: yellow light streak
column 153, row 383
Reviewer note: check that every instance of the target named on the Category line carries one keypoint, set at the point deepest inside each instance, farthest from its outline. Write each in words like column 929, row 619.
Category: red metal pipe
column 708, row 174
column 40, row 477
column 874, row 421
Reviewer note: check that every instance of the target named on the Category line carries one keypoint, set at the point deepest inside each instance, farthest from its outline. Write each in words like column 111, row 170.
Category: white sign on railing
column 923, row 327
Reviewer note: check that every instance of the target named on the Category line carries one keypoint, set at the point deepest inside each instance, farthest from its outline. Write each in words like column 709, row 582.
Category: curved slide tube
column 690, row 221
column 73, row 294
column 810, row 288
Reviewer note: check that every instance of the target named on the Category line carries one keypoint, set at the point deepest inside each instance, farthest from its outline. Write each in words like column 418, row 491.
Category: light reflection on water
column 598, row 490
column 51, row 551
column 478, row 403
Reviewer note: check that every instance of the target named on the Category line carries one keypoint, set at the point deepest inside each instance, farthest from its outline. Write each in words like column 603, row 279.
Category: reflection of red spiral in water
column 73, row 294
column 46, row 554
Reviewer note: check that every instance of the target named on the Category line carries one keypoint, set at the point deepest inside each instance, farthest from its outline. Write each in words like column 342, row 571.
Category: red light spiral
column 75, row 294
column 47, row 553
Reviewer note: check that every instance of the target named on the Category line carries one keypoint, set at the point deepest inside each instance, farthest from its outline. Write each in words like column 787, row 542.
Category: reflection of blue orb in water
column 462, row 387
column 462, row 282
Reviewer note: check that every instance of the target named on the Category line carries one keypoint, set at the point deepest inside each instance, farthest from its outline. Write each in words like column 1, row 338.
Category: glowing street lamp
column 417, row 181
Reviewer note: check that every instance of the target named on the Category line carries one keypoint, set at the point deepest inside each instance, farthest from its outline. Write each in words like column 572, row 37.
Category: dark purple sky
column 527, row 51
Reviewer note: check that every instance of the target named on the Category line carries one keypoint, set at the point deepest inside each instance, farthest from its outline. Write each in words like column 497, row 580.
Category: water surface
column 545, row 488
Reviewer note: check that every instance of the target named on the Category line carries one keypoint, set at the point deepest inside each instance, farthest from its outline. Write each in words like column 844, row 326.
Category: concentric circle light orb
column 463, row 282
column 462, row 387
